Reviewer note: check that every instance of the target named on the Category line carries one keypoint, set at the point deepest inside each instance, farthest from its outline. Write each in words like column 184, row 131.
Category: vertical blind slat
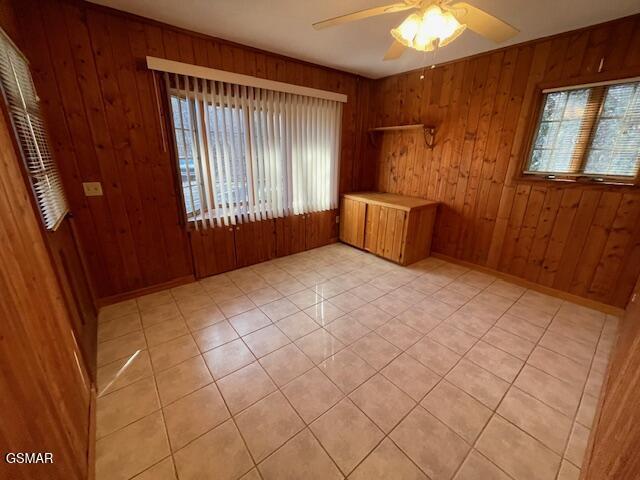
column 250, row 153
column 221, row 180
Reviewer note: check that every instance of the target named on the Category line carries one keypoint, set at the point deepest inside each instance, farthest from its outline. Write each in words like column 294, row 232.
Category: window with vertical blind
column 589, row 132
column 247, row 153
column 22, row 103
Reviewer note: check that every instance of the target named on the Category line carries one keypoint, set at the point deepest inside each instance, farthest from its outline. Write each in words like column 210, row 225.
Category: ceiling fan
column 435, row 24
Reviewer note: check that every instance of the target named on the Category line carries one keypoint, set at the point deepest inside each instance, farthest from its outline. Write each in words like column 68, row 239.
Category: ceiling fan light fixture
column 428, row 30
column 408, row 29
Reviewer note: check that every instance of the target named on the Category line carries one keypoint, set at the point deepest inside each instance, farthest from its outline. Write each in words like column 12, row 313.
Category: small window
column 589, row 132
column 22, row 102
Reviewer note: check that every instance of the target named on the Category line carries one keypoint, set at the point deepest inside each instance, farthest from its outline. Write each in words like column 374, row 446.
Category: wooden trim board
column 91, row 448
column 585, row 302
column 391, row 200
column 103, row 302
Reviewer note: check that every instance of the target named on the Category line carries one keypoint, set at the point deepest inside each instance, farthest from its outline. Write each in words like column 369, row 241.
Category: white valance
column 170, row 66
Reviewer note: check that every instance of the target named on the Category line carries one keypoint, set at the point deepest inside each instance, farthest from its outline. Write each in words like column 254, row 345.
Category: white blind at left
column 20, row 95
column 248, row 153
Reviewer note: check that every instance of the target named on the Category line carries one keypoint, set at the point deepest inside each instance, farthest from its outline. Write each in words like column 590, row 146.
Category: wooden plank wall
column 580, row 239
column 612, row 452
column 102, row 109
column 44, row 394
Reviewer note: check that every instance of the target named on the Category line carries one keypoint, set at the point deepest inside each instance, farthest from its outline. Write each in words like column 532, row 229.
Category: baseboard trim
column 91, row 448
column 176, row 282
column 586, row 302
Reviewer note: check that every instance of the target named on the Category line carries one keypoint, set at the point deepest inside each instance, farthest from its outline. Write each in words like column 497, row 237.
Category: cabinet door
column 419, row 233
column 290, row 235
column 320, row 228
column 384, row 232
column 213, row 250
column 352, row 222
column 255, row 242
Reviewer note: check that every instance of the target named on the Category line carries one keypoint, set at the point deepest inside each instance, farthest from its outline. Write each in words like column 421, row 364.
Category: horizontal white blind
column 615, row 146
column 249, row 153
column 592, row 131
column 20, row 95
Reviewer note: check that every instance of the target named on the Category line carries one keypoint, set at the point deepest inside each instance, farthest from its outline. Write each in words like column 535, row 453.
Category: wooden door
column 352, row 222
column 70, row 269
column 616, row 437
column 384, row 232
column 255, row 242
column 44, row 388
column 213, row 250
column 290, row 235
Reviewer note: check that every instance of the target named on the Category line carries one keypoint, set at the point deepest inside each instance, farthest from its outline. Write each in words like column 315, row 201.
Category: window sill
column 574, row 182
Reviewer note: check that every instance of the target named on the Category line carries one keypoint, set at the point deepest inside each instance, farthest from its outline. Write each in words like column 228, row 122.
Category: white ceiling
column 284, row 26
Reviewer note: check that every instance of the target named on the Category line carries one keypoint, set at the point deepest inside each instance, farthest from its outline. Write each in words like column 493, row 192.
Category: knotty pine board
column 581, row 239
column 102, row 109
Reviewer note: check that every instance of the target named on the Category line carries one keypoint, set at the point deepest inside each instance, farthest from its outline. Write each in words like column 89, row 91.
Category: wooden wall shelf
column 428, row 131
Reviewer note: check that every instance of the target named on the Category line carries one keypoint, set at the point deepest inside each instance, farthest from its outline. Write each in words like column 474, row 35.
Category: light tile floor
column 335, row 363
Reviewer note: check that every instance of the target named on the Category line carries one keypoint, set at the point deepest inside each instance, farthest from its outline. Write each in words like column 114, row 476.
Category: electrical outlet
column 337, row 218
column 92, row 189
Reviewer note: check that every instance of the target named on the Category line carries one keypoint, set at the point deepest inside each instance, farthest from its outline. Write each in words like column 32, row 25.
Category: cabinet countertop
column 391, row 200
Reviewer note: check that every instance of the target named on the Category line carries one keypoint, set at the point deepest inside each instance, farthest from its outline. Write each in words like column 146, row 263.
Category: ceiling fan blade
column 483, row 23
column 370, row 12
column 395, row 51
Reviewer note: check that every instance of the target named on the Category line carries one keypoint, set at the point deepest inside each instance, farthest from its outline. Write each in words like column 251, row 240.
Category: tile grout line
column 512, row 385
column 345, row 396
column 575, row 415
column 350, row 346
column 164, row 420
column 306, row 425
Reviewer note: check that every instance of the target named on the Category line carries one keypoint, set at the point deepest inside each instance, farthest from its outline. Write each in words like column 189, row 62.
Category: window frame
column 39, row 135
column 523, row 175
column 165, row 90
column 171, row 93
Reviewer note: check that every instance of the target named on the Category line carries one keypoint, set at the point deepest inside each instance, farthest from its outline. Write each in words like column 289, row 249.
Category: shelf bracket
column 428, row 131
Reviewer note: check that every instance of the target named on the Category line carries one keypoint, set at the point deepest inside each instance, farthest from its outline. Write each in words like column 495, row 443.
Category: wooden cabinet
column 391, row 226
column 220, row 249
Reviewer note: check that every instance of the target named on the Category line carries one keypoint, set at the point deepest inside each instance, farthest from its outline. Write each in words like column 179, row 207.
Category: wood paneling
column 44, row 392
column 103, row 108
column 581, row 239
column 614, row 442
